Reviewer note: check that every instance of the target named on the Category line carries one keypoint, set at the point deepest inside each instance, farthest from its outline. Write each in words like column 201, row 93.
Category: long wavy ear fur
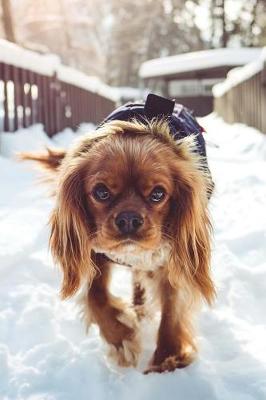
column 70, row 230
column 191, row 226
column 50, row 159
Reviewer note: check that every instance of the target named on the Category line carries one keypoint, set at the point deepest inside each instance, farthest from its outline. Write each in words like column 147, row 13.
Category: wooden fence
column 27, row 97
column 244, row 102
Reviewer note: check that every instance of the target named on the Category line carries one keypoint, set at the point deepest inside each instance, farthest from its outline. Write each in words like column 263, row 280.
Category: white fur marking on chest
column 145, row 260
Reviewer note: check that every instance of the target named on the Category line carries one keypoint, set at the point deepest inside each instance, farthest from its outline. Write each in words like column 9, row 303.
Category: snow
column 240, row 74
column 91, row 83
column 45, row 353
column 30, row 139
column 11, row 53
column 198, row 60
column 34, row 138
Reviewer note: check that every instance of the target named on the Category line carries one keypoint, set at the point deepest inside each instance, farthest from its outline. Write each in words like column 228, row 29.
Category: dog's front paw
column 123, row 338
column 127, row 353
column 170, row 363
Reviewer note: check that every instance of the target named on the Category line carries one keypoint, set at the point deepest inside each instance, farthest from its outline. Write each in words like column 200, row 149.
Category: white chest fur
column 137, row 258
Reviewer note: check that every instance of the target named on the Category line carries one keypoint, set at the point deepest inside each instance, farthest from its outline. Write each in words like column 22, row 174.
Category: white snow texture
column 45, row 353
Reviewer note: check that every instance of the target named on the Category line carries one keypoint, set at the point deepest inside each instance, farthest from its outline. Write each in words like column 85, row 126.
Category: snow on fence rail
column 36, row 88
column 242, row 96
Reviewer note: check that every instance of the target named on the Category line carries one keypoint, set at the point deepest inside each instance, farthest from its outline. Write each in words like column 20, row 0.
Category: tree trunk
column 224, row 33
column 7, row 21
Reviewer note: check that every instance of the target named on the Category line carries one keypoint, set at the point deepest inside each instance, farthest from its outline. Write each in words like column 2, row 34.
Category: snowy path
column 44, row 351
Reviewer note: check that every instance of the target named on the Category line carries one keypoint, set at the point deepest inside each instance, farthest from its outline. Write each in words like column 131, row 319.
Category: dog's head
column 130, row 185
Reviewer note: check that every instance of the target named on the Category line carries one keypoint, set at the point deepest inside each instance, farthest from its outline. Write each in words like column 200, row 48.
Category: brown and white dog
column 129, row 193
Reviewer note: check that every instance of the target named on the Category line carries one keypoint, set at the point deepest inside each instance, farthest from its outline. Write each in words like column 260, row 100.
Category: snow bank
column 11, row 53
column 198, row 60
column 238, row 75
column 45, row 353
column 80, row 79
column 67, row 136
column 34, row 138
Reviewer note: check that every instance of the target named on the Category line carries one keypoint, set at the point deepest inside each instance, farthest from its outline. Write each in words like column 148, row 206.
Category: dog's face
column 130, row 186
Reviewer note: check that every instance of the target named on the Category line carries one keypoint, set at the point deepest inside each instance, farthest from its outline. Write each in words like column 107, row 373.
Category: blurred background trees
column 112, row 38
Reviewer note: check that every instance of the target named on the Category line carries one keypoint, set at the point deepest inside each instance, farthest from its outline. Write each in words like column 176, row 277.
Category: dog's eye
column 157, row 194
column 101, row 192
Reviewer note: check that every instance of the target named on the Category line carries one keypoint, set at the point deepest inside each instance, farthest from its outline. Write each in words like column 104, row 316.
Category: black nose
column 128, row 222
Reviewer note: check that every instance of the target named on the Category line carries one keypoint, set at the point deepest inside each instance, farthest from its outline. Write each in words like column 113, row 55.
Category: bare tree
column 8, row 21
column 219, row 34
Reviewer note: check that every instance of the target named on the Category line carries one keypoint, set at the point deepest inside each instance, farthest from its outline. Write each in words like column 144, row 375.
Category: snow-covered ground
column 45, row 353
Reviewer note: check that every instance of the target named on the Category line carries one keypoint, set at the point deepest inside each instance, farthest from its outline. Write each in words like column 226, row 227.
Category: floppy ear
column 191, row 230
column 70, row 229
column 71, row 223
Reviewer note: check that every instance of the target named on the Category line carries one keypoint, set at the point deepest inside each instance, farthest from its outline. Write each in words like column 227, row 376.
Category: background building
column 189, row 77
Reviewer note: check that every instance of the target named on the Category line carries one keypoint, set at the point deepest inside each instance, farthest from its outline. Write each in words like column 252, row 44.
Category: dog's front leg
column 116, row 320
column 175, row 344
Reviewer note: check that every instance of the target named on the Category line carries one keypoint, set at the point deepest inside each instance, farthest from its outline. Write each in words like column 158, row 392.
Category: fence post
column 263, row 98
column 6, row 111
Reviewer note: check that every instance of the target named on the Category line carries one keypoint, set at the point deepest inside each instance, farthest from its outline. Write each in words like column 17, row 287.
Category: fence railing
column 242, row 96
column 56, row 96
